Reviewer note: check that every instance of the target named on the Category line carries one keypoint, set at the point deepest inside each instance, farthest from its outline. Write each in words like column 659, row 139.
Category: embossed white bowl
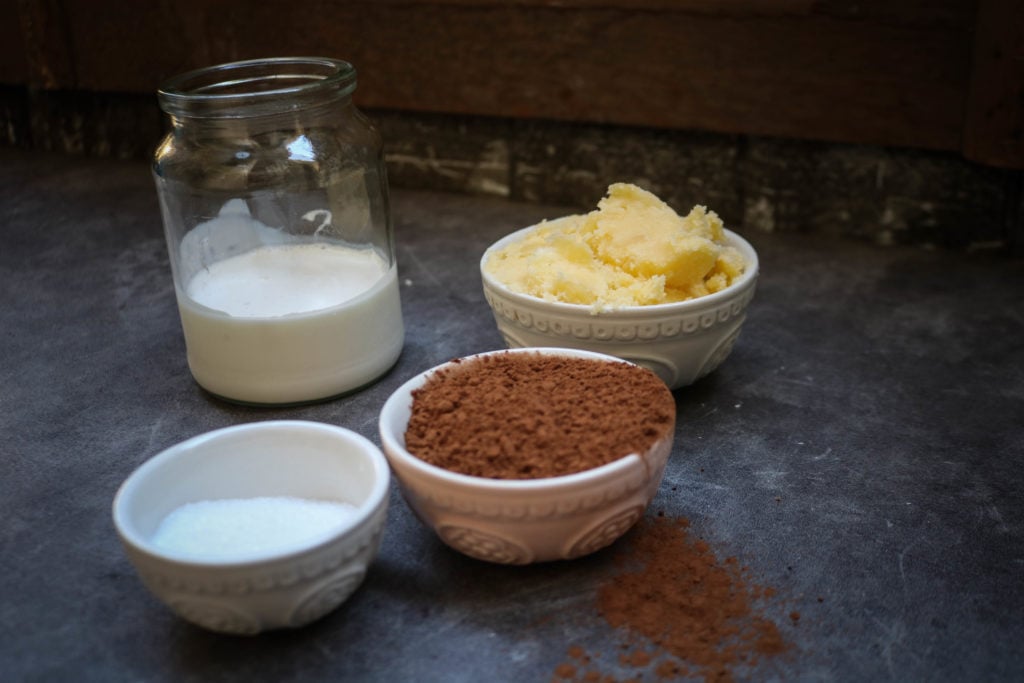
column 262, row 591
column 681, row 342
column 525, row 520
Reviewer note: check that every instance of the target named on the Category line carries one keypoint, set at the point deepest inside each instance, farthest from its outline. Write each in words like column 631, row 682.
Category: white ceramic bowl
column 261, row 591
column 521, row 521
column 680, row 342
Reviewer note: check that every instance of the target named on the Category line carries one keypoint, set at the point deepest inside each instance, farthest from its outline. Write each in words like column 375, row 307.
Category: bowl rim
column 394, row 442
column 362, row 514
column 735, row 240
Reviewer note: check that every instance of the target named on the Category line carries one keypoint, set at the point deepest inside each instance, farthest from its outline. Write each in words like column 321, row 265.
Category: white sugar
column 242, row 527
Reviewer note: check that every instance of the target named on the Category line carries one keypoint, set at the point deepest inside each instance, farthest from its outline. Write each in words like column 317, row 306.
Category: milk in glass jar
column 275, row 207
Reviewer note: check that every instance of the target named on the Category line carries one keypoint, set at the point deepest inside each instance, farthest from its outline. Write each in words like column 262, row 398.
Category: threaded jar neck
column 257, row 87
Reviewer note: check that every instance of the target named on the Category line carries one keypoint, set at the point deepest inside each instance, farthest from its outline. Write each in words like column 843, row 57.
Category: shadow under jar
column 275, row 207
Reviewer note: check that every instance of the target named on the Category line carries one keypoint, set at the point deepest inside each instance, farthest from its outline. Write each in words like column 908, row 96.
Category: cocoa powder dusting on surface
column 531, row 415
column 683, row 612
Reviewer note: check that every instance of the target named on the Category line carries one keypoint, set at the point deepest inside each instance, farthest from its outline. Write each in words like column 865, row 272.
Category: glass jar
column 275, row 207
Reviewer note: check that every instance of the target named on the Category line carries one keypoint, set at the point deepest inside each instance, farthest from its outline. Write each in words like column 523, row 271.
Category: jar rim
column 248, row 87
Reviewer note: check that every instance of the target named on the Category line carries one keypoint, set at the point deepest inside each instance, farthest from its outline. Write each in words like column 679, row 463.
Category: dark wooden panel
column 46, row 42
column 876, row 71
column 994, row 126
column 13, row 63
column 864, row 73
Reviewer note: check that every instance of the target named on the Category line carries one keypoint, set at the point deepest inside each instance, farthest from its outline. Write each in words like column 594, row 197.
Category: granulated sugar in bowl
column 529, row 455
column 256, row 526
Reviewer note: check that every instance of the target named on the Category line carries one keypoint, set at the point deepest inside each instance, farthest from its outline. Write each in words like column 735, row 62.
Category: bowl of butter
column 632, row 279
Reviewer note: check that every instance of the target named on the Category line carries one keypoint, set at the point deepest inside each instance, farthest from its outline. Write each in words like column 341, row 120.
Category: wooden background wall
column 890, row 121
column 939, row 75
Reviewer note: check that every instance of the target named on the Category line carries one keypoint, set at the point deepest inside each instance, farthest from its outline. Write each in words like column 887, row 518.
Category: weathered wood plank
column 46, row 41
column 994, row 123
column 13, row 61
column 910, row 73
column 833, row 71
column 74, row 122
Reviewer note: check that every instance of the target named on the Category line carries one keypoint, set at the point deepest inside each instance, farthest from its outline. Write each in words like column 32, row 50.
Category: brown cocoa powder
column 683, row 612
column 533, row 415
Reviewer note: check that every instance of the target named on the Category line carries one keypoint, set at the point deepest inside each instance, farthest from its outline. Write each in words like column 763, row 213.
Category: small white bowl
column 680, row 342
column 275, row 589
column 524, row 520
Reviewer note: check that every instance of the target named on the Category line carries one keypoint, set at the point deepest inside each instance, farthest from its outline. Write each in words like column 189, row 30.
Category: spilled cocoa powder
column 533, row 415
column 683, row 612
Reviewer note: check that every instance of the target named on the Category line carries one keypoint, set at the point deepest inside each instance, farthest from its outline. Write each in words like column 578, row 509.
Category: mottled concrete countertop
column 862, row 452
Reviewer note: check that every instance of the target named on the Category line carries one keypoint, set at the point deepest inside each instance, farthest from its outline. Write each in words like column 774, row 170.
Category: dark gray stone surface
column 864, row 445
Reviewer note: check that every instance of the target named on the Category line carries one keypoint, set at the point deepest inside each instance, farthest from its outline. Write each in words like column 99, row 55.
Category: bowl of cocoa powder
column 529, row 455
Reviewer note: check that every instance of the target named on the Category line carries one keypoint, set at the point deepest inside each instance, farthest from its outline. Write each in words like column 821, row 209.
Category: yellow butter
column 633, row 250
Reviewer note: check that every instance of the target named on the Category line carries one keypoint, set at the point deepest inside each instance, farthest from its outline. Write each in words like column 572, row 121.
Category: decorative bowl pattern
column 277, row 458
column 680, row 342
column 521, row 521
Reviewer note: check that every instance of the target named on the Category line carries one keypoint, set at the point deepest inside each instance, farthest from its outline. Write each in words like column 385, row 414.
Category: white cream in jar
column 290, row 322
